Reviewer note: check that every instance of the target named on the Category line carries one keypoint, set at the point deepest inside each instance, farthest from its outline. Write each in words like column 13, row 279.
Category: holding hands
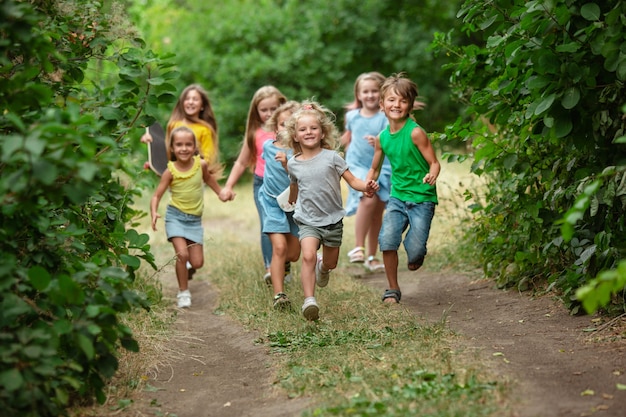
column 371, row 187
column 227, row 194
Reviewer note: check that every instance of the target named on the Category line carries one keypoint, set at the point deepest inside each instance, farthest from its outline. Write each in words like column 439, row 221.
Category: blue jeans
column 400, row 215
column 266, row 244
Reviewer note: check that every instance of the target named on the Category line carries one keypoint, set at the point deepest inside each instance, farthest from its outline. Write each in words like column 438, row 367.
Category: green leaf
column 590, row 11
column 111, row 113
column 563, row 126
column 545, row 104
column 132, row 261
column 571, row 97
column 45, row 172
column 11, row 380
column 72, row 292
column 39, row 277
column 85, row 345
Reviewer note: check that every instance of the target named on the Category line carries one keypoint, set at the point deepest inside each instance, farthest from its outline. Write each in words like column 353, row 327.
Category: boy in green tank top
column 414, row 171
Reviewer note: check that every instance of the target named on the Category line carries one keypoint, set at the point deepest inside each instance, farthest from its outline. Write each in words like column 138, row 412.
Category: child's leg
column 390, row 258
column 309, row 260
column 420, row 218
column 367, row 224
column 196, row 254
column 394, row 224
column 279, row 256
column 293, row 247
column 266, row 244
column 330, row 256
column 182, row 256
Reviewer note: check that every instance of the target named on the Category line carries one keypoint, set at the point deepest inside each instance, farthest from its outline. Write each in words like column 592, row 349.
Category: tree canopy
column 306, row 49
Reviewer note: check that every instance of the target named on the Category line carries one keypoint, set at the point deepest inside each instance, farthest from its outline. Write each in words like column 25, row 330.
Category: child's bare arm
column 166, row 180
column 282, row 158
column 293, row 192
column 420, row 139
column 376, row 161
column 209, row 179
column 367, row 187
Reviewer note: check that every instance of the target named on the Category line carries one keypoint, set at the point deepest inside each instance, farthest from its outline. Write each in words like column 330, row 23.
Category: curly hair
column 325, row 118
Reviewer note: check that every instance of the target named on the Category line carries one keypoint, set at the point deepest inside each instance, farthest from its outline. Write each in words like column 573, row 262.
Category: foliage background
column 305, row 48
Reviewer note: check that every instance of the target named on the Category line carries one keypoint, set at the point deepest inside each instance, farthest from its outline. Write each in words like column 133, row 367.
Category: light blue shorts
column 275, row 220
column 180, row 224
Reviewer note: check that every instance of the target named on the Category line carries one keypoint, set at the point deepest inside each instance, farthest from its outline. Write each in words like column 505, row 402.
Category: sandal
column 281, row 301
column 357, row 255
column 395, row 294
column 373, row 264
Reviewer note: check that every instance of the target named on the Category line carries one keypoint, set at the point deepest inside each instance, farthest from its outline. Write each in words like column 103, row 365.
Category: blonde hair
column 254, row 120
column 401, row 85
column 325, row 118
column 206, row 116
column 366, row 76
column 272, row 123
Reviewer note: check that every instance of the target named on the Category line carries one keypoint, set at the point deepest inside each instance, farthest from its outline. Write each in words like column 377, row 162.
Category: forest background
column 536, row 88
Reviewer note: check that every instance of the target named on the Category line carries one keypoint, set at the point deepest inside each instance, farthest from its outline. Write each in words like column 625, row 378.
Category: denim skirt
column 180, row 224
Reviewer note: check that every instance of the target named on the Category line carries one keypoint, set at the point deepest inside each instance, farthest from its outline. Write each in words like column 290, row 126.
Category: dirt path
column 545, row 353
column 534, row 344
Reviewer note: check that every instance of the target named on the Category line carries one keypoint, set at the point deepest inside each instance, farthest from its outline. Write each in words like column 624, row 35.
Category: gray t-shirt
column 319, row 200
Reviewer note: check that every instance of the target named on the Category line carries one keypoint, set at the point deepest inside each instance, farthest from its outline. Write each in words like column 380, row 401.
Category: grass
column 363, row 357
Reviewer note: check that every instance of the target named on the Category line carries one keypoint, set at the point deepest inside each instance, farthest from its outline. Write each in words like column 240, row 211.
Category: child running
column 264, row 102
column 364, row 121
column 193, row 109
column 278, row 223
column 415, row 169
column 185, row 175
column 315, row 172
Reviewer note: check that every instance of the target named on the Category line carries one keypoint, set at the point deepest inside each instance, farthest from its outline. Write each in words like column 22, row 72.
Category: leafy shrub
column 549, row 79
column 68, row 256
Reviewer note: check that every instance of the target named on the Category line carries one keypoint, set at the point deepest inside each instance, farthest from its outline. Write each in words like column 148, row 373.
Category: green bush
column 545, row 84
column 69, row 92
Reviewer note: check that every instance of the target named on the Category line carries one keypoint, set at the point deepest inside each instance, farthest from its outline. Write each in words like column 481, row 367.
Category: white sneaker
column 267, row 278
column 310, row 310
column 321, row 277
column 184, row 299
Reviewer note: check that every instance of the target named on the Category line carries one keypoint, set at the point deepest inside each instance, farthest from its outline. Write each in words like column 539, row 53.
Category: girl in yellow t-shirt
column 194, row 110
column 185, row 177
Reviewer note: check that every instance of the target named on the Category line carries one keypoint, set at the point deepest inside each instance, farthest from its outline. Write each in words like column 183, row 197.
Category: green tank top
column 408, row 166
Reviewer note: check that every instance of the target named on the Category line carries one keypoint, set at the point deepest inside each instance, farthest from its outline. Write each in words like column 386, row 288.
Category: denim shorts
column 327, row 235
column 401, row 215
column 181, row 224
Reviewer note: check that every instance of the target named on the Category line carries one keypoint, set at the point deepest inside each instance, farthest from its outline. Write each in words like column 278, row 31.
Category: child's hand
column 146, row 138
column 155, row 217
column 371, row 140
column 370, row 188
column 226, row 195
column 430, row 179
column 282, row 158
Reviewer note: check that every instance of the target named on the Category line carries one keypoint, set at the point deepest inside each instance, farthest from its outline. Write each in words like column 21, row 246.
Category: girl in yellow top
column 194, row 110
column 185, row 177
